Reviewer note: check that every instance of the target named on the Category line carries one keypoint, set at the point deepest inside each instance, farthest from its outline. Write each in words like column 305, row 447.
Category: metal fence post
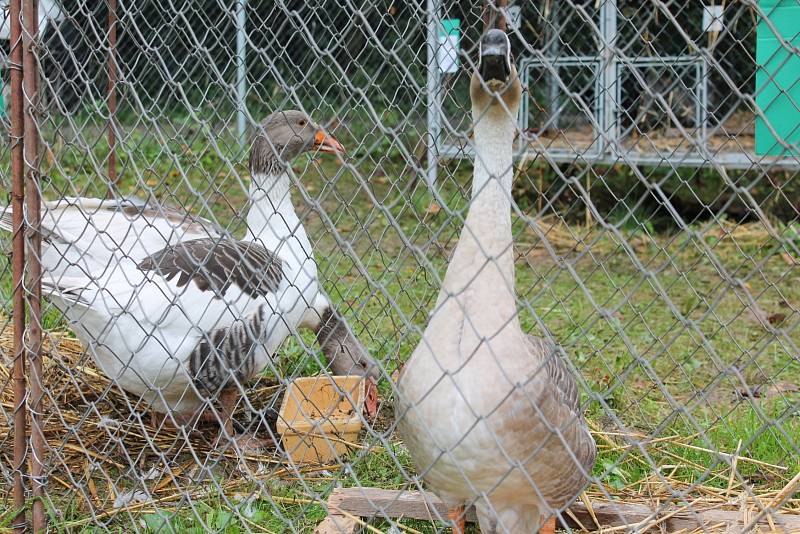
column 241, row 69
column 608, row 86
column 18, row 263
column 433, row 93
column 33, row 248
column 112, row 96
column 553, row 90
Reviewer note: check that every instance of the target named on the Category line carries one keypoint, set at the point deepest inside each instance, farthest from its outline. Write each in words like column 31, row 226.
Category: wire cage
column 655, row 245
column 653, row 85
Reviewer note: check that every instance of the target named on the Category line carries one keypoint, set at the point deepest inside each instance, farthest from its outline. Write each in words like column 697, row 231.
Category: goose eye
column 302, row 122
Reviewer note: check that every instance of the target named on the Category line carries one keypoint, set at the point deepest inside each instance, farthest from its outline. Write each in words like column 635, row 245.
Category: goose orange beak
column 371, row 399
column 327, row 143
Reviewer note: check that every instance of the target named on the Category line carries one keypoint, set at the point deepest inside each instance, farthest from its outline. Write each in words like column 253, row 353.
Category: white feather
column 141, row 328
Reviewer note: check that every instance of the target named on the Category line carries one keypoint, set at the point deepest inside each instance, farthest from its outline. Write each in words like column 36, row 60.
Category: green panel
column 778, row 78
column 450, row 26
column 449, row 42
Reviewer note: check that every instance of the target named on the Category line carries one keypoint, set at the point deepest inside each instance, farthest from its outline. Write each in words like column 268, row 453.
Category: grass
column 691, row 336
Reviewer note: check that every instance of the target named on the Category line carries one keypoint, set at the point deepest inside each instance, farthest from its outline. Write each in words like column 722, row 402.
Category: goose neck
column 487, row 234
column 494, row 138
column 271, row 217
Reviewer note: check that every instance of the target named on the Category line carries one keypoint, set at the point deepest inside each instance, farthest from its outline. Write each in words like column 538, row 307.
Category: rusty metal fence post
column 18, row 263
column 112, row 96
column 33, row 246
column 26, row 203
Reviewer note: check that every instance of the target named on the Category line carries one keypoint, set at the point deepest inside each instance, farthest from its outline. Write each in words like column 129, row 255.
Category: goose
column 490, row 415
column 177, row 312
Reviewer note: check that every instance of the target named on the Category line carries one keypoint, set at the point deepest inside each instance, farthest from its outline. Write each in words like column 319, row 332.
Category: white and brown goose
column 490, row 415
column 179, row 313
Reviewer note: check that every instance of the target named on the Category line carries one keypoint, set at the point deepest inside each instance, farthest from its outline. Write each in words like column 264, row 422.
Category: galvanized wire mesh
column 655, row 243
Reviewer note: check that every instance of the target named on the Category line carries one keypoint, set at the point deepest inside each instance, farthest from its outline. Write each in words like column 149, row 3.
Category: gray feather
column 557, row 371
column 224, row 355
column 214, row 264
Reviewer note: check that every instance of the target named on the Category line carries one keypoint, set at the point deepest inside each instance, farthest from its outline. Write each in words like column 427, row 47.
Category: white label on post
column 448, row 53
column 712, row 19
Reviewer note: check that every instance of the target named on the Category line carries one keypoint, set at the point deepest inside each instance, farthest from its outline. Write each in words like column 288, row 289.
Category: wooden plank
column 337, row 524
column 376, row 502
column 618, row 514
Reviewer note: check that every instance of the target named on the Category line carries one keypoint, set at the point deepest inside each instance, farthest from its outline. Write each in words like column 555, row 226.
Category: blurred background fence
column 658, row 232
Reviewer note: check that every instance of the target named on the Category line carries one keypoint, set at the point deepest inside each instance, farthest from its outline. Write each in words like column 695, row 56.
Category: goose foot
column 549, row 526
column 227, row 405
column 456, row 516
column 246, row 442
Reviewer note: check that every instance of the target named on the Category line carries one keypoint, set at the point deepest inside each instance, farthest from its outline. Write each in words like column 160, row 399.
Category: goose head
column 346, row 355
column 285, row 135
column 495, row 85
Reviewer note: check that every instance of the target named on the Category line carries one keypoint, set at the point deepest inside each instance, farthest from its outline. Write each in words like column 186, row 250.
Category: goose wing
column 557, row 372
column 214, row 264
column 542, row 427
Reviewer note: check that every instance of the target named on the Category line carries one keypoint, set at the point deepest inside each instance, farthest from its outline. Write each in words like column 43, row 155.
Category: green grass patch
column 668, row 331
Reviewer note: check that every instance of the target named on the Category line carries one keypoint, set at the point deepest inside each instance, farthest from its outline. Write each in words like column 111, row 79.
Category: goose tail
column 71, row 292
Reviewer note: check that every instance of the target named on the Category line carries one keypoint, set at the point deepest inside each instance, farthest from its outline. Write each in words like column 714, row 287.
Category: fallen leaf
column 789, row 259
column 152, row 182
column 433, row 209
column 776, row 318
column 396, row 374
column 130, row 497
column 775, row 390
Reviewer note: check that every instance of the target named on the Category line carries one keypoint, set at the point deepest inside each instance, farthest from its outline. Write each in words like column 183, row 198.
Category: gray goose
column 177, row 312
column 491, row 416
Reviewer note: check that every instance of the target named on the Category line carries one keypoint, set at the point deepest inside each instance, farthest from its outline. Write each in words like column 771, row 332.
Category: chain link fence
column 656, row 230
